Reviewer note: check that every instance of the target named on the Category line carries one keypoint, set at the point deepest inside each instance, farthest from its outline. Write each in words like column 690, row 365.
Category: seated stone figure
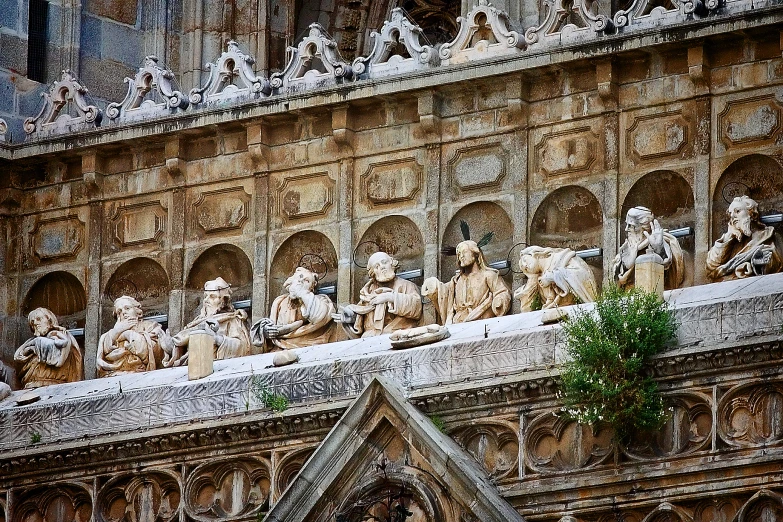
column 747, row 248
column 52, row 356
column 218, row 318
column 475, row 292
column 386, row 303
column 133, row 344
column 556, row 276
column 299, row 318
column 642, row 232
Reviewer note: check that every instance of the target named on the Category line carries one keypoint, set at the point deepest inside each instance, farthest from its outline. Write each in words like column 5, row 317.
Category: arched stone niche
column 757, row 176
column 309, row 248
column 482, row 217
column 399, row 237
column 570, row 217
column 670, row 198
column 63, row 294
column 144, row 280
column 227, row 261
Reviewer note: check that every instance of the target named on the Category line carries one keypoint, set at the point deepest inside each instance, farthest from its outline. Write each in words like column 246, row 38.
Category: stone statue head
column 217, row 297
column 42, row 321
column 529, row 260
column 469, row 253
column 382, row 267
column 637, row 221
column 743, row 212
column 127, row 308
column 301, row 283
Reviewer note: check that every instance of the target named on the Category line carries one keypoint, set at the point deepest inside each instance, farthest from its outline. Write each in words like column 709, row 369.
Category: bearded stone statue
column 643, row 232
column 219, row 319
column 386, row 303
column 52, row 356
column 299, row 318
column 475, row 292
column 747, row 248
column 133, row 344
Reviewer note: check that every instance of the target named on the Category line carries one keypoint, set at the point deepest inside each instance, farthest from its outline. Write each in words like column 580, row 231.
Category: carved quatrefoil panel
column 687, row 429
column 228, row 490
column 149, row 496
column 553, row 443
column 495, row 445
column 752, row 415
column 53, row 503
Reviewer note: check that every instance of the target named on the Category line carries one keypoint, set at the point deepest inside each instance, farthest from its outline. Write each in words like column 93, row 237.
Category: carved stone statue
column 219, row 318
column 133, row 344
column 299, row 318
column 475, row 292
column 556, row 276
column 642, row 232
column 386, row 303
column 52, row 356
column 747, row 248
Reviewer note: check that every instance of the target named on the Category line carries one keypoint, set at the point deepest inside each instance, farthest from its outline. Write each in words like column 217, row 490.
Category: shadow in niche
column 226, row 261
column 144, row 280
column 60, row 292
column 307, row 248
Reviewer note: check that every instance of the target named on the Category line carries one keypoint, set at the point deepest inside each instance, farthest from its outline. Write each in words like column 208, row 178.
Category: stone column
column 345, row 270
column 177, row 268
column 260, row 270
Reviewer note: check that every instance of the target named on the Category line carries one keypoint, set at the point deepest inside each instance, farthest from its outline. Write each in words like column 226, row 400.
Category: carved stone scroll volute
column 750, row 415
column 553, row 443
column 149, row 496
column 494, row 445
column 227, row 490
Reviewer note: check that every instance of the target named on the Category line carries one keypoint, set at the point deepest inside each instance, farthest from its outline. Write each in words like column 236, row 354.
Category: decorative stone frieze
column 486, row 32
column 151, row 495
column 231, row 80
column 314, row 63
column 52, row 120
column 649, row 13
column 382, row 61
column 228, row 489
column 150, row 80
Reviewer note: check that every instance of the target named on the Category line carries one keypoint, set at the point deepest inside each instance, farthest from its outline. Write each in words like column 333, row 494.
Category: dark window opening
column 37, row 39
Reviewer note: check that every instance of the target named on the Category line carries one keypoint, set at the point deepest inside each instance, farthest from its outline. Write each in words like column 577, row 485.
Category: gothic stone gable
column 385, row 459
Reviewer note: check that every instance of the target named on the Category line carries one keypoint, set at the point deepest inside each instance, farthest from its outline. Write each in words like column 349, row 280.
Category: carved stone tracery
column 53, row 503
column 149, row 496
column 225, row 490
column 750, row 415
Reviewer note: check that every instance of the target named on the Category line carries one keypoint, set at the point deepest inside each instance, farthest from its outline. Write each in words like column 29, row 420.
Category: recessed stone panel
column 392, row 181
column 139, row 224
column 566, row 151
column 478, row 167
column 221, row 210
column 657, row 136
column 305, row 196
column 57, row 238
column 749, row 120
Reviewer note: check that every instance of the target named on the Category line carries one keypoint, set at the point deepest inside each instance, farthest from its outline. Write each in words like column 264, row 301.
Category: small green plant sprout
column 264, row 396
column 603, row 380
column 439, row 423
column 35, row 437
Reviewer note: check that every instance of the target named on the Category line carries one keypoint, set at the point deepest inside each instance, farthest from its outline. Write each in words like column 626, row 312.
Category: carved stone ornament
column 763, row 506
column 70, row 502
column 419, row 336
column 749, row 416
column 557, row 276
column 635, row 13
column 395, row 32
column 232, row 66
column 150, row 78
column 3, row 130
column 139, row 497
column 494, row 444
column 314, row 63
column 567, row 22
column 228, row 490
column 51, row 119
column 486, row 32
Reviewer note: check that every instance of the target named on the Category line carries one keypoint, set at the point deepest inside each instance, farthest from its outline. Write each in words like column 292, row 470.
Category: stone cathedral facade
column 148, row 147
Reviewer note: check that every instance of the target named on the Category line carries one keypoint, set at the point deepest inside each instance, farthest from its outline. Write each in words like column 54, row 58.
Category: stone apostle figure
column 642, row 232
column 748, row 248
column 219, row 318
column 133, row 344
column 52, row 356
column 386, row 303
column 299, row 318
column 556, row 276
column 475, row 292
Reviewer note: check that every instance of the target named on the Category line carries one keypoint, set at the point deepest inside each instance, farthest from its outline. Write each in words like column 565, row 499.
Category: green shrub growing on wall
column 604, row 381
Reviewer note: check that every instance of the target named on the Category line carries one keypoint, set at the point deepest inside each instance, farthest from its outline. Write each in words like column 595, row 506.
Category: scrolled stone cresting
column 485, row 25
column 51, row 119
column 150, row 78
column 232, row 65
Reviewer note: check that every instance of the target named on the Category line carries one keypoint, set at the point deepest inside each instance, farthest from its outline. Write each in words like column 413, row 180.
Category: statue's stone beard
column 297, row 291
column 383, row 275
column 43, row 330
column 635, row 238
column 210, row 310
column 742, row 225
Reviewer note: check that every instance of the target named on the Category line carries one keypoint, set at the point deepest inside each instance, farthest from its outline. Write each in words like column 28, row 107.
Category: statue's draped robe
column 231, row 325
column 403, row 312
column 56, row 359
column 570, row 278
column 472, row 296
column 673, row 263
column 732, row 259
column 317, row 327
column 137, row 350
